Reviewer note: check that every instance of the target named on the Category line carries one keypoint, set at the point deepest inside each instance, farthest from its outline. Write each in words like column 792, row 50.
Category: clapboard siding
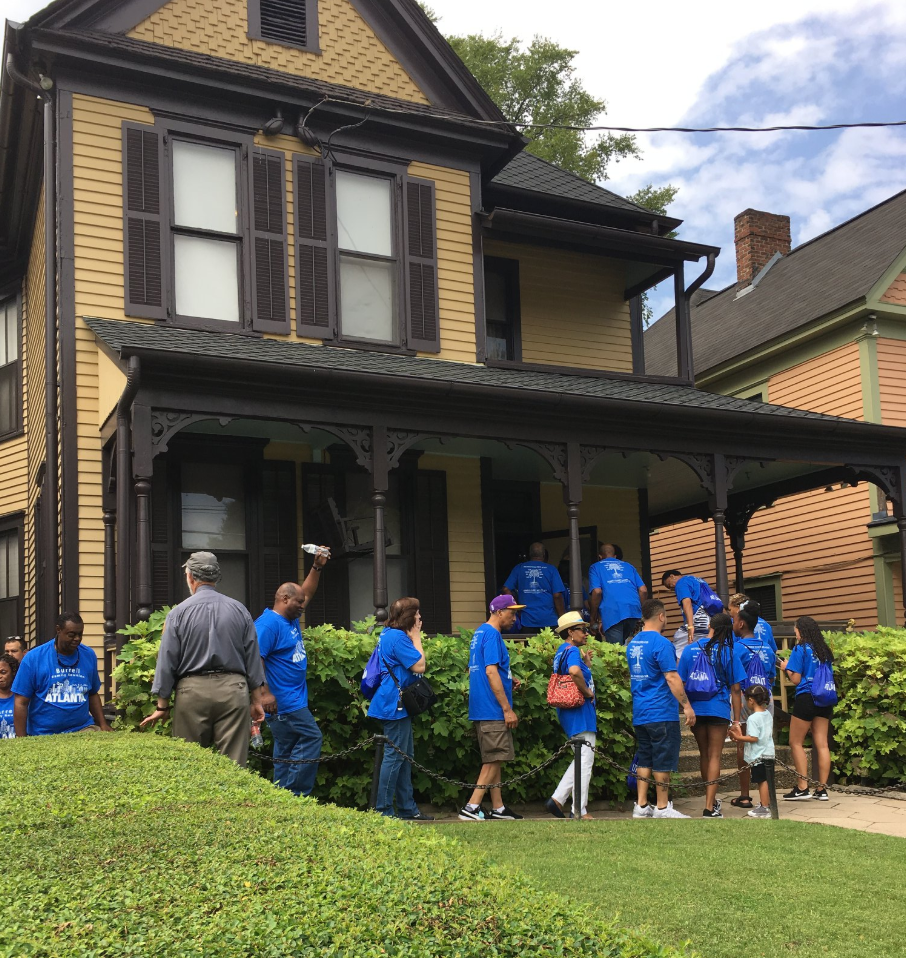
column 892, row 381
column 351, row 54
column 572, row 307
column 816, row 540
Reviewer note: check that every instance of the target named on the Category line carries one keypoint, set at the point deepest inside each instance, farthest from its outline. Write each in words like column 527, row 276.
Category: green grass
column 734, row 889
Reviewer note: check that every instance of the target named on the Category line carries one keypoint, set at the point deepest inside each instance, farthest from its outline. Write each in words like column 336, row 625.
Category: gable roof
column 827, row 273
column 401, row 25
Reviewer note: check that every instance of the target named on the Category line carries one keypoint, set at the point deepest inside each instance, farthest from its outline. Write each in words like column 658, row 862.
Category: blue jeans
column 396, row 773
column 296, row 736
column 622, row 631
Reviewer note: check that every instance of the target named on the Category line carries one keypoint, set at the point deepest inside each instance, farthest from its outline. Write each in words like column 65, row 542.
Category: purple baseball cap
column 501, row 602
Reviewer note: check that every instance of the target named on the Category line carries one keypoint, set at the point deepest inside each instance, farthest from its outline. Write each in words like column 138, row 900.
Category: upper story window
column 501, row 307
column 10, row 578
column 10, row 368
column 291, row 23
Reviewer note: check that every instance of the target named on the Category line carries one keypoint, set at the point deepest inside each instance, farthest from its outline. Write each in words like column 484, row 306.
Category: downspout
column 687, row 308
column 123, row 490
column 51, row 431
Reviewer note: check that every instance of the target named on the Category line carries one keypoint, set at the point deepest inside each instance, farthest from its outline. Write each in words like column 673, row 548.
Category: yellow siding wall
column 466, row 540
column 351, row 55
column 572, row 307
column 816, row 540
column 892, row 380
column 33, row 302
column 456, row 293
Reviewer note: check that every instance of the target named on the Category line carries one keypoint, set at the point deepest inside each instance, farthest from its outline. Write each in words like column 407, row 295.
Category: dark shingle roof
column 119, row 334
column 529, row 172
column 815, row 279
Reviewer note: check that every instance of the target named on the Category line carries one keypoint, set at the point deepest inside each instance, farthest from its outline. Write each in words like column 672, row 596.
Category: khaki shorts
column 495, row 741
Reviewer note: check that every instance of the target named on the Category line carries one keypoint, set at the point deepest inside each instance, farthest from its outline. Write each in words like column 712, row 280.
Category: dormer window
column 290, row 23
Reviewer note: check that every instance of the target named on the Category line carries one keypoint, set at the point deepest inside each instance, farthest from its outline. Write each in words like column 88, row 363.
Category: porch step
column 689, row 765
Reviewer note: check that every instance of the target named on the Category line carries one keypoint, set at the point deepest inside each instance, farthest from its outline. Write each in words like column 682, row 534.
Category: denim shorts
column 658, row 746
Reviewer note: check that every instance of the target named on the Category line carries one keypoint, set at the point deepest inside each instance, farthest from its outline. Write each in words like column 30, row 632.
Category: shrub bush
column 124, row 845
column 444, row 739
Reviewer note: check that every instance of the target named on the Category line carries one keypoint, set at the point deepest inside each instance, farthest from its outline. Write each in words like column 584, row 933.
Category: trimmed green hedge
column 126, row 845
column 444, row 738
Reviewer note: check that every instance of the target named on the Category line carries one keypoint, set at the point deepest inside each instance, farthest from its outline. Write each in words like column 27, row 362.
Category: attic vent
column 285, row 21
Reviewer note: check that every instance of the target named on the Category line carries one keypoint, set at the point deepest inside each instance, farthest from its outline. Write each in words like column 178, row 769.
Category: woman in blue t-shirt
column 402, row 661
column 8, row 666
column 579, row 722
column 712, row 715
column 810, row 651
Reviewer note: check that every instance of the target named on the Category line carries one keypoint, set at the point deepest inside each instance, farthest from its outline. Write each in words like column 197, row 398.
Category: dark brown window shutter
column 270, row 271
column 314, row 265
column 143, row 223
column 279, row 547
column 421, row 267
column 432, row 560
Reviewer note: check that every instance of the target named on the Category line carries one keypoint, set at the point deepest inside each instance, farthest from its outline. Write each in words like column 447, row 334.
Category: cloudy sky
column 714, row 62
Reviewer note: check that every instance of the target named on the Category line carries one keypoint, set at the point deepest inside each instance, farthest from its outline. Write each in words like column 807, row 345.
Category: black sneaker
column 711, row 813
column 554, row 808
column 467, row 814
column 506, row 815
column 797, row 795
column 820, row 794
column 420, row 817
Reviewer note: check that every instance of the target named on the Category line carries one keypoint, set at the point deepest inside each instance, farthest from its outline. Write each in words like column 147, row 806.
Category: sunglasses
column 581, row 628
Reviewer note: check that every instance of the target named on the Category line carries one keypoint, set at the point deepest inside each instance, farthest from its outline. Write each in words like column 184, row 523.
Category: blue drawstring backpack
column 824, row 689
column 755, row 673
column 702, row 682
column 631, row 780
column 709, row 599
column 371, row 677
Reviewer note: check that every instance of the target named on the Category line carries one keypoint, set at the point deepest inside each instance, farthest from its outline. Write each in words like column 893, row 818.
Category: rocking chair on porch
column 342, row 535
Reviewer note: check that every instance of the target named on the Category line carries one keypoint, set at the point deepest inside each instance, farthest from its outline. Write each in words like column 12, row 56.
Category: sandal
column 742, row 801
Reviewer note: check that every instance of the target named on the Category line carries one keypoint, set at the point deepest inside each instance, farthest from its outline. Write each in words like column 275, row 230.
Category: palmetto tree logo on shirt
column 635, row 653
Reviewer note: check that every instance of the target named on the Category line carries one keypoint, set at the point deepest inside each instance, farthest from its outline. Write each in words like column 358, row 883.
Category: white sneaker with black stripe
column 467, row 814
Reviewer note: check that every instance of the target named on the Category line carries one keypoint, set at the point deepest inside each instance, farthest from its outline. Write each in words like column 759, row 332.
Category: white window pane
column 364, row 214
column 204, row 187
column 213, row 506
column 13, row 565
column 207, row 278
column 366, row 299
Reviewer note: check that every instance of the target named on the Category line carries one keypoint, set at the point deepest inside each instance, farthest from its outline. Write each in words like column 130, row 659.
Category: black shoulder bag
column 416, row 698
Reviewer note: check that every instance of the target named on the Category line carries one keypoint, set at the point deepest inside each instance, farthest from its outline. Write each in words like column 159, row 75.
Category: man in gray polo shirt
column 209, row 654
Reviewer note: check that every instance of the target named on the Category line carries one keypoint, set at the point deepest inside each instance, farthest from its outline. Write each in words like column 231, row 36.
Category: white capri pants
column 565, row 788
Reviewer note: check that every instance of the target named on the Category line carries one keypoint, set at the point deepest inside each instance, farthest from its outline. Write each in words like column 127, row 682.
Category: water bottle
column 257, row 737
column 314, row 550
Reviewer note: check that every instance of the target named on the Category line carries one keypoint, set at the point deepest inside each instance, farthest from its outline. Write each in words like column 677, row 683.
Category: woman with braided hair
column 712, row 715
column 809, row 652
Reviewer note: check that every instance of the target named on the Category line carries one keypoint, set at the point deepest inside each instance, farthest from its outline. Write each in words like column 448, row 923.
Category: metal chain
column 894, row 792
column 474, row 785
column 315, row 761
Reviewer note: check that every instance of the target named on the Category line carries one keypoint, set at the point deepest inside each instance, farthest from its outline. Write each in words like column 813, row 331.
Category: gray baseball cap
column 203, row 566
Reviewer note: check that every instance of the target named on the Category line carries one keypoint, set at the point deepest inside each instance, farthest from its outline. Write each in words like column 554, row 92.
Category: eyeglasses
column 581, row 628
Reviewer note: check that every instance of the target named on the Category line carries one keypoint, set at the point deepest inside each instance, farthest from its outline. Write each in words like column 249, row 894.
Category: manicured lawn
column 733, row 889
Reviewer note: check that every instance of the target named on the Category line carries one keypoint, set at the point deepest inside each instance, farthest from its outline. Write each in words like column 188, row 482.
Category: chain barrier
column 314, row 761
column 894, row 792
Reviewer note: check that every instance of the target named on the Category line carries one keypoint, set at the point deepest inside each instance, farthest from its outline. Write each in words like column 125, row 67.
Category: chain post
column 578, row 744
column 772, row 787
column 379, row 742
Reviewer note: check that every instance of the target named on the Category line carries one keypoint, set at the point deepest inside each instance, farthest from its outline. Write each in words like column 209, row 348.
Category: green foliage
column 537, row 84
column 870, row 721
column 125, row 845
column 444, row 737
column 135, row 673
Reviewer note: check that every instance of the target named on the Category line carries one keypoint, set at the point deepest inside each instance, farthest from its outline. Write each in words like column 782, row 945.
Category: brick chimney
column 758, row 237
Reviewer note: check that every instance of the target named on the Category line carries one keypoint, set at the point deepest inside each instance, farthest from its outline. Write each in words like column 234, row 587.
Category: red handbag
column 562, row 692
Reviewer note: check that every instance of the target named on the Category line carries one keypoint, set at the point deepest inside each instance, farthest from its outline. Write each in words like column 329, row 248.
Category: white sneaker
column 668, row 812
column 639, row 812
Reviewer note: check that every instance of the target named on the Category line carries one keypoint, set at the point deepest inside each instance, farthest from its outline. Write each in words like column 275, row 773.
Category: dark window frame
column 17, row 427
column 509, row 268
column 312, row 35
column 15, row 523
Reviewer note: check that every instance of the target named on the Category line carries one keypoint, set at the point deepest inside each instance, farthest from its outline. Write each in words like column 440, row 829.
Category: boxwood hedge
column 129, row 845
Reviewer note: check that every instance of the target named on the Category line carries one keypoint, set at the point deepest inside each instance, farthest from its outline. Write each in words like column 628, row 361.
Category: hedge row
column 124, row 845
column 444, row 737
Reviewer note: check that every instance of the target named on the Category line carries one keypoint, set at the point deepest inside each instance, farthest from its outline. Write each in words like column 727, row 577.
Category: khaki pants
column 214, row 710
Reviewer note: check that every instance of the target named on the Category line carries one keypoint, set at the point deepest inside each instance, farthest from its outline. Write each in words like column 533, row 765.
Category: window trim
column 312, row 33
column 510, row 268
column 241, row 145
column 15, row 522
column 766, row 581
column 17, row 428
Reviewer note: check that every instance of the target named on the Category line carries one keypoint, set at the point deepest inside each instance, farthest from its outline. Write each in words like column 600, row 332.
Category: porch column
column 572, row 495
column 718, row 505
column 143, row 595
column 109, row 578
column 901, row 526
column 738, row 545
column 380, row 469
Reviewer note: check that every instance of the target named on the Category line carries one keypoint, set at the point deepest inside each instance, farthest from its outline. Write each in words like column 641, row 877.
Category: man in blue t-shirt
column 56, row 685
column 696, row 620
column 540, row 590
column 656, row 689
column 491, row 685
column 285, row 694
column 617, row 590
